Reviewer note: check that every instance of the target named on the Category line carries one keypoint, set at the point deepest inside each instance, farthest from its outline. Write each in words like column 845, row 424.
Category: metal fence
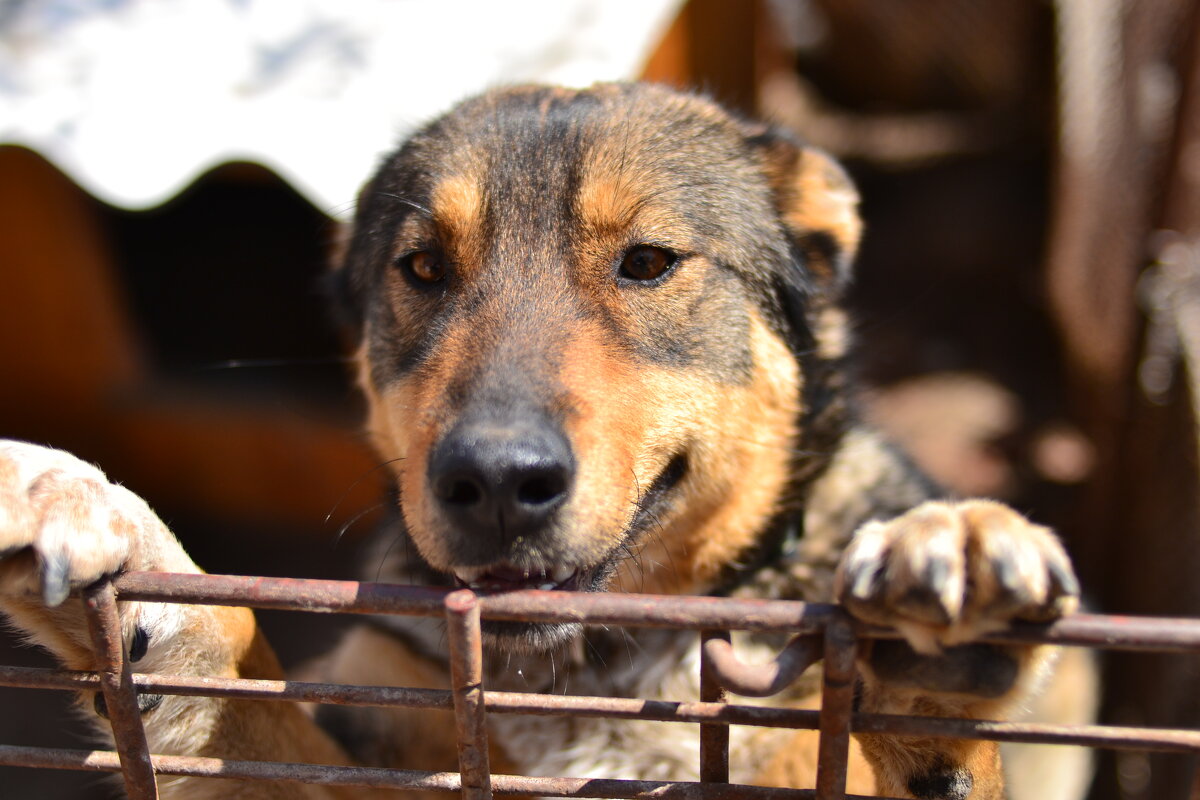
column 818, row 632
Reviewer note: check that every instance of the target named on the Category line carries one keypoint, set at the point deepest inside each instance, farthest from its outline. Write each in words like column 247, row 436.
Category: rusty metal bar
column 1166, row 740
column 655, row 710
column 289, row 594
column 696, row 613
column 438, row 699
column 837, row 705
column 237, row 688
column 599, row 608
column 119, row 693
column 466, row 677
column 505, row 785
column 714, row 738
column 762, row 680
column 1111, row 737
column 1110, row 632
column 835, row 719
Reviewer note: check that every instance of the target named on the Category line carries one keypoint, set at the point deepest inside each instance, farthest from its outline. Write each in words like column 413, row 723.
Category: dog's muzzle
column 500, row 482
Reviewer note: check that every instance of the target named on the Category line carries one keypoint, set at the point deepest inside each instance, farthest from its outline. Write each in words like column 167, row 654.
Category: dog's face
column 585, row 318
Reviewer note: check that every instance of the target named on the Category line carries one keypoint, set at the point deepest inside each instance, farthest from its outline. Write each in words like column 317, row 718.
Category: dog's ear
column 817, row 206
column 817, row 203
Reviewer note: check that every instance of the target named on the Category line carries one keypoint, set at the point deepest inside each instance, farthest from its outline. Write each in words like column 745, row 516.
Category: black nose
column 502, row 479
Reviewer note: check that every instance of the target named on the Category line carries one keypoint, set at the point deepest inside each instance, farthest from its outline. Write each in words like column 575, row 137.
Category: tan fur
column 458, row 206
column 794, row 763
column 607, row 203
column 749, row 436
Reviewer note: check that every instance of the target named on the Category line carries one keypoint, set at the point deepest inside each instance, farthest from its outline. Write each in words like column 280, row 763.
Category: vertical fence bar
column 837, row 704
column 714, row 739
column 466, row 676
column 120, row 695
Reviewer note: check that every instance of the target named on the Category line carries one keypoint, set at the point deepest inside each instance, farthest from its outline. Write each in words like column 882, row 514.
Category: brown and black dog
column 603, row 348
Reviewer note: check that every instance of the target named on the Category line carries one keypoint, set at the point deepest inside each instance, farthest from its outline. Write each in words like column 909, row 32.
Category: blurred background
column 1028, row 294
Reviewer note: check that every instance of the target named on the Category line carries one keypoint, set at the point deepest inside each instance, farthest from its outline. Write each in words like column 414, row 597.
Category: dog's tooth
column 546, row 587
column 562, row 574
column 469, row 575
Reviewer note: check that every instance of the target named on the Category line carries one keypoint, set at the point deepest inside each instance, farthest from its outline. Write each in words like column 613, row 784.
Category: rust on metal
column 120, row 694
column 466, row 678
column 714, row 738
column 295, row 594
column 654, row 710
column 817, row 629
column 1111, row 737
column 599, row 608
column 837, row 705
column 1165, row 740
column 374, row 777
column 631, row 610
column 762, row 680
column 438, row 699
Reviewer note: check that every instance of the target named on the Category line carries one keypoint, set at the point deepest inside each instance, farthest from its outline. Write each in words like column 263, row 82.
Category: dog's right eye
column 423, row 266
column 647, row 263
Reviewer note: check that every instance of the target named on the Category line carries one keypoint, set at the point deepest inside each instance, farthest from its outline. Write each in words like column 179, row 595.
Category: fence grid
column 819, row 632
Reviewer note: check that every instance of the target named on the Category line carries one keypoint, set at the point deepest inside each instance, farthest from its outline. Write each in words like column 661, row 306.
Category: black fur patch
column 942, row 783
column 985, row 670
column 139, row 645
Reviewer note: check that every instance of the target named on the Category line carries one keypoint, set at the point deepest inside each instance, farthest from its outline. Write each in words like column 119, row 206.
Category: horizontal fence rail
column 819, row 632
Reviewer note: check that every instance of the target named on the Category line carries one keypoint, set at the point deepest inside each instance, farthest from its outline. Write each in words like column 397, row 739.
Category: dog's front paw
column 63, row 525
column 947, row 573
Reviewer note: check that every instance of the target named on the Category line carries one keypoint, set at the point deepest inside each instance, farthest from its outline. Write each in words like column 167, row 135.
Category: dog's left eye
column 423, row 266
column 647, row 262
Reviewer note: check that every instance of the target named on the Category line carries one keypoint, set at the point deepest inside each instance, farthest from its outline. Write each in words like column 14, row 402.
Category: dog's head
column 592, row 324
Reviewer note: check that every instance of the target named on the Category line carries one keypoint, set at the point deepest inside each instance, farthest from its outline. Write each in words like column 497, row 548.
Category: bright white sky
column 135, row 98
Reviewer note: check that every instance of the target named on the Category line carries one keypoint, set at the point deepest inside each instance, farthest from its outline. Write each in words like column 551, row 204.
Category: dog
column 602, row 341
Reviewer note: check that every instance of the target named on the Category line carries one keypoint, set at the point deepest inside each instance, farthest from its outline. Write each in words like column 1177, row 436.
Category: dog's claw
column 56, row 579
column 140, row 644
column 1063, row 579
column 863, row 584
